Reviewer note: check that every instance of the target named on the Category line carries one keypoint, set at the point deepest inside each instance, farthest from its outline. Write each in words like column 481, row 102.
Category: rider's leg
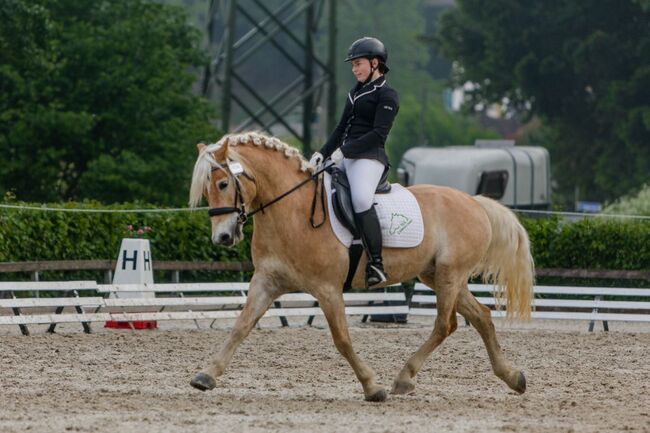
column 364, row 176
column 370, row 230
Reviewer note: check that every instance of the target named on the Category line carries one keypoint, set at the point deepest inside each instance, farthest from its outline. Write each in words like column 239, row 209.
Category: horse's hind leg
column 333, row 307
column 479, row 316
column 260, row 296
column 447, row 286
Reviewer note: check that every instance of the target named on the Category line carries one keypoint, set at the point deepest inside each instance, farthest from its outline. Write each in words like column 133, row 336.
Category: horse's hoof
column 520, row 387
column 377, row 396
column 203, row 382
column 402, row 387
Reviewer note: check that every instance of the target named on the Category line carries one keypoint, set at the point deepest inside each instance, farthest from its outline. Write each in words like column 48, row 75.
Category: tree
column 583, row 67
column 96, row 100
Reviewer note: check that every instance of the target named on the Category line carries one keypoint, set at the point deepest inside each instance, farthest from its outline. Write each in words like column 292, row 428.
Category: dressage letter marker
column 133, row 267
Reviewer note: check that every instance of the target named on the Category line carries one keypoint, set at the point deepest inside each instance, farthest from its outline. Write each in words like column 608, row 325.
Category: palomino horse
column 464, row 236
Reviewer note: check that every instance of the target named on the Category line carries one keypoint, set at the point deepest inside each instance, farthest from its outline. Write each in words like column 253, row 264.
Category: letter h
column 127, row 259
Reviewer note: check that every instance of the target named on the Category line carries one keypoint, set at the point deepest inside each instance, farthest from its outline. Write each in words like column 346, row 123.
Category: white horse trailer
column 517, row 176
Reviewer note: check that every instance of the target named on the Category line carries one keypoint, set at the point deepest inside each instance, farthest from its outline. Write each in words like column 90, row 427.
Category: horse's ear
column 200, row 147
column 221, row 153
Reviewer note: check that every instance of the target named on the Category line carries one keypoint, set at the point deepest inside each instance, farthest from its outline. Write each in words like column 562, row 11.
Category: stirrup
column 375, row 276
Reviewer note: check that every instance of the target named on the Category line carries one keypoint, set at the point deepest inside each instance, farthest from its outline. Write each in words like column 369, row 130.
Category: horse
column 464, row 237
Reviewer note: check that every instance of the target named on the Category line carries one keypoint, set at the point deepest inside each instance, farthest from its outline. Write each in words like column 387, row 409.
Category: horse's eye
column 223, row 184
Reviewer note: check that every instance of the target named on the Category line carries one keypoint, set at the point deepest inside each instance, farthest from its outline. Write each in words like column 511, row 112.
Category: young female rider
column 357, row 143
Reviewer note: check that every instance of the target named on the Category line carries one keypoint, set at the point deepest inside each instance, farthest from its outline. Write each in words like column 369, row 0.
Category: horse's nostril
column 224, row 238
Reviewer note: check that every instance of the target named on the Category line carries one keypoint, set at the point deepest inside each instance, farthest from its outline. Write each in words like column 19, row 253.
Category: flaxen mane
column 205, row 162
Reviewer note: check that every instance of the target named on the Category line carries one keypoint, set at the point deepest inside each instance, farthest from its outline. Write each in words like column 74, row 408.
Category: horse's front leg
column 333, row 307
column 261, row 294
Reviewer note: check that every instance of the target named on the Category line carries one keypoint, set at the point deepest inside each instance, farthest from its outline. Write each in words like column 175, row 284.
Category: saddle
column 342, row 199
column 342, row 207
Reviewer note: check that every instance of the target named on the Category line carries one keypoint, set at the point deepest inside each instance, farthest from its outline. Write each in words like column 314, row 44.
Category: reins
column 241, row 210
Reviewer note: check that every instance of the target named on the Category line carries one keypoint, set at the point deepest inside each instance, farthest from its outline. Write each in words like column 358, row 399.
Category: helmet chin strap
column 372, row 72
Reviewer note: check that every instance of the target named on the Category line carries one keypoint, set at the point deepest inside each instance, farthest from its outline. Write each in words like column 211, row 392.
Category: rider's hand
column 337, row 156
column 316, row 159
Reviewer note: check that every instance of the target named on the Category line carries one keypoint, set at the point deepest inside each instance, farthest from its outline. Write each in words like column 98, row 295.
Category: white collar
column 374, row 87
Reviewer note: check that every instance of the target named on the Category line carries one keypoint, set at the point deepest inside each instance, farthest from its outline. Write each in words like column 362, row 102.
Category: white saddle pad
column 399, row 216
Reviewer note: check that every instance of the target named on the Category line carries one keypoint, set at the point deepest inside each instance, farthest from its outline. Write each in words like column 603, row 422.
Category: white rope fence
column 187, row 209
column 58, row 209
column 581, row 214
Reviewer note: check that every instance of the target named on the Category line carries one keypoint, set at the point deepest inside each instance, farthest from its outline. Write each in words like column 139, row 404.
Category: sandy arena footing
column 294, row 380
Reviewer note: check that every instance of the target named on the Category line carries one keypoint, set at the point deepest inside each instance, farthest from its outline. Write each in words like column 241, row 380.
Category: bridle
column 238, row 207
column 238, row 203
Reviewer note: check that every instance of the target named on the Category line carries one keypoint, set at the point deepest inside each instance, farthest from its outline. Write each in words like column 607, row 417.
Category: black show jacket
column 367, row 118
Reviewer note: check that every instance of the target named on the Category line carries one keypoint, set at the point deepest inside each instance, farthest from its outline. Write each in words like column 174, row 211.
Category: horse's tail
column 508, row 263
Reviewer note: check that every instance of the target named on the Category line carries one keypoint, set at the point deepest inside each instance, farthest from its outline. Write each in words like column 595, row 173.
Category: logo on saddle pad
column 398, row 223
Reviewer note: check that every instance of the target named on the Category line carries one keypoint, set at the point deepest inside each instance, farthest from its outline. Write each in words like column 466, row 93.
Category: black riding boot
column 370, row 231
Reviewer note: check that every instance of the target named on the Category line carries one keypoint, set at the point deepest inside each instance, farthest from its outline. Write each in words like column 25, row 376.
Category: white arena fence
column 176, row 301
column 592, row 304
column 214, row 301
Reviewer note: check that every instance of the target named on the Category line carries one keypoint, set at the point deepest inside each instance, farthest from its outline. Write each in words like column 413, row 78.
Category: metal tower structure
column 251, row 41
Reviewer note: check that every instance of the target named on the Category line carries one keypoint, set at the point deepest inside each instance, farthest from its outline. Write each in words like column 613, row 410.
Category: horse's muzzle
column 225, row 239
column 229, row 237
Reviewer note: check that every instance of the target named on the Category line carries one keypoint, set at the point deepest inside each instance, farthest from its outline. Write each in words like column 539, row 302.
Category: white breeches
column 363, row 175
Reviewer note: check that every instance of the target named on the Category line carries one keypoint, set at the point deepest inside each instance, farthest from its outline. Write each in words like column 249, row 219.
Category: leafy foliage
column 584, row 67
column 638, row 204
column 96, row 102
column 590, row 243
column 37, row 235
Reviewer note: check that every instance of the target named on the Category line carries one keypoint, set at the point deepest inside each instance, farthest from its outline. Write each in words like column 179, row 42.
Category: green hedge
column 47, row 235
column 27, row 235
column 590, row 243
column 38, row 235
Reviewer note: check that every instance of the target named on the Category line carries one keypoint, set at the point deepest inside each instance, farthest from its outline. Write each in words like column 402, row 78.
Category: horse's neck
column 274, row 175
column 283, row 232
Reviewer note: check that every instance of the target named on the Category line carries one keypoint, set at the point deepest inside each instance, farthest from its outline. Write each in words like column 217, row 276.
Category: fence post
column 108, row 276
column 34, row 277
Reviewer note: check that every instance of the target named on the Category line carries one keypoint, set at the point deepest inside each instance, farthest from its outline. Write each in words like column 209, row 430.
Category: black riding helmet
column 369, row 48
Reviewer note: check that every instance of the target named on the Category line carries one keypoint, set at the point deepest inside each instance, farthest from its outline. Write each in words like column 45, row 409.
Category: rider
column 357, row 143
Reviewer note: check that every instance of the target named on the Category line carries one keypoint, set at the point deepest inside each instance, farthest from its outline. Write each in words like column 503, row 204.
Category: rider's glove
column 316, row 159
column 337, row 156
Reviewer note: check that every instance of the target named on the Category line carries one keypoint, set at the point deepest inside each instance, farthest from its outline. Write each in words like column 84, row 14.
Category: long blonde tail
column 508, row 263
